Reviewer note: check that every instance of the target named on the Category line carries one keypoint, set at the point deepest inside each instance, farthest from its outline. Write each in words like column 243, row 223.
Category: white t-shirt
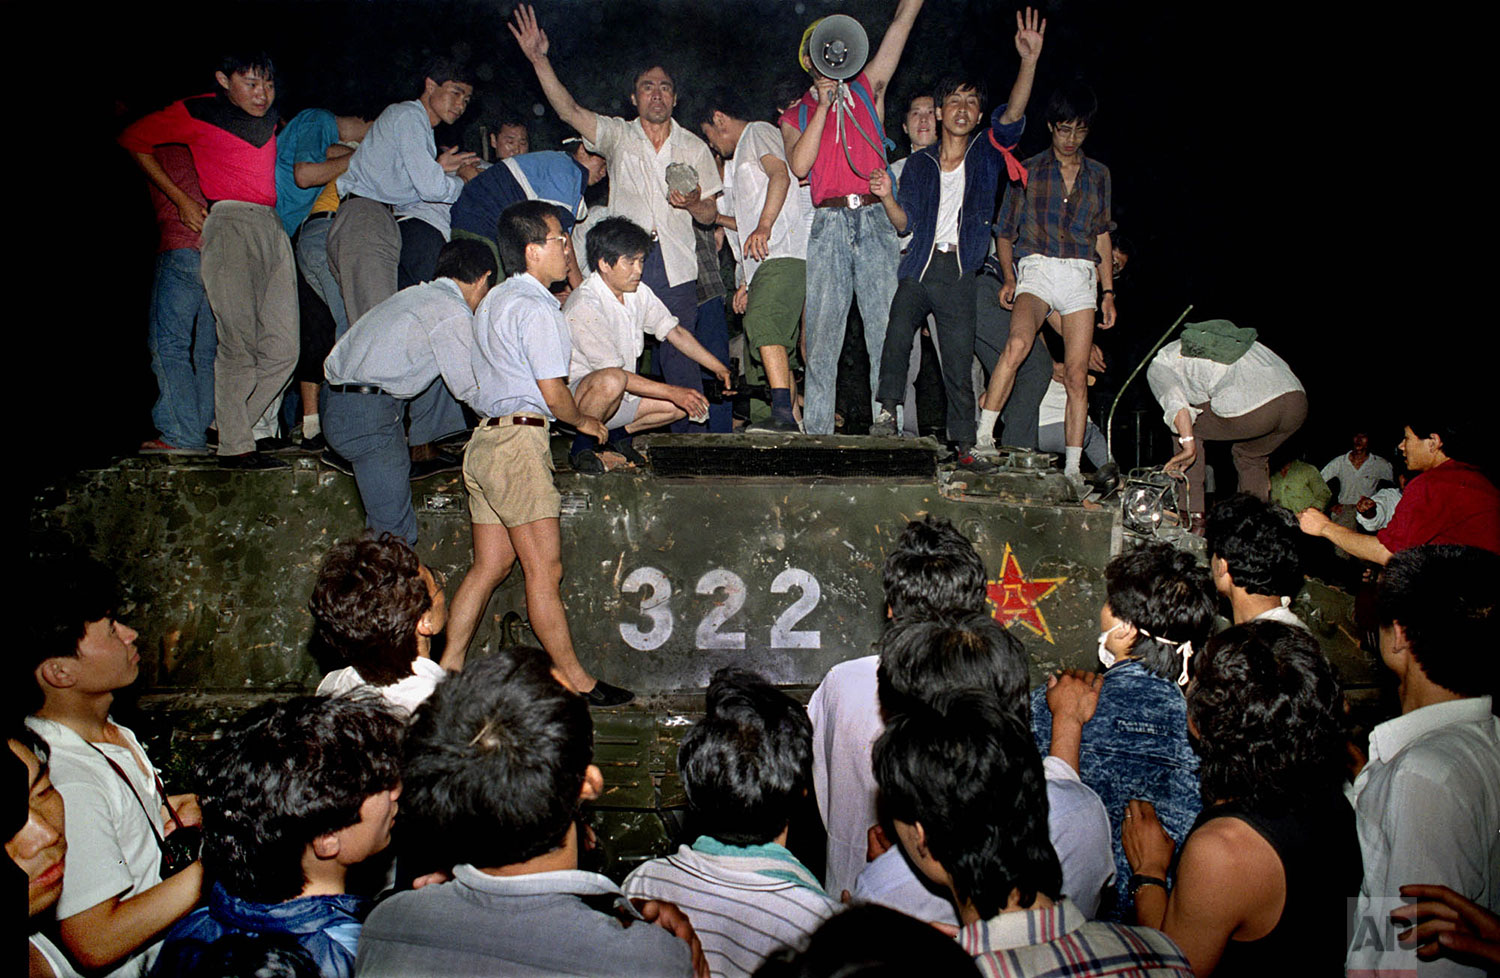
column 111, row 848
column 638, row 185
column 1231, row 389
column 607, row 332
column 845, row 713
column 749, row 185
column 61, row 966
column 950, row 202
column 407, row 695
column 1356, row 481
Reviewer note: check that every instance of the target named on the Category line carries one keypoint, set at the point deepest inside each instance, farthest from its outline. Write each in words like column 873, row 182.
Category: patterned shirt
column 1044, row 218
column 1060, row 941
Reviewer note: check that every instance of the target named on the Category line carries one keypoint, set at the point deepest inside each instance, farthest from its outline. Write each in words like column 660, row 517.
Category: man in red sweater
column 248, row 270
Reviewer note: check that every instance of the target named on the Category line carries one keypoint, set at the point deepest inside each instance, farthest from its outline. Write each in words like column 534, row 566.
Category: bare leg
column 309, row 392
column 1078, row 336
column 653, row 413
column 493, row 558
column 538, row 544
column 777, row 365
column 1025, row 320
column 599, row 394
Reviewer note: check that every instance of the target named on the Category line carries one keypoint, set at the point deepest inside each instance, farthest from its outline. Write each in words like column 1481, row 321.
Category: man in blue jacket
column 947, row 204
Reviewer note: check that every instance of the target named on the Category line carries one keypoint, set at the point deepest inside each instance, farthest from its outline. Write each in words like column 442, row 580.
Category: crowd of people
column 1198, row 805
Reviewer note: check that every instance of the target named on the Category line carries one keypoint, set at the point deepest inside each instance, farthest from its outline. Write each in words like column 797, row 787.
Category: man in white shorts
column 608, row 317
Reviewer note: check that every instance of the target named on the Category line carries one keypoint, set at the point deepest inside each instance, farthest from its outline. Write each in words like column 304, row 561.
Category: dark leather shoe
column 440, row 462
column 604, row 694
column 250, row 462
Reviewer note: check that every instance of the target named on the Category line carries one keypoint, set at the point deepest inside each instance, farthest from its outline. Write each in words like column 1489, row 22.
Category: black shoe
column 440, row 462
column 964, row 458
column 604, row 694
column 337, row 462
column 272, row 444
column 774, row 423
column 250, row 462
column 628, row 451
column 314, row 444
column 211, row 438
column 587, row 462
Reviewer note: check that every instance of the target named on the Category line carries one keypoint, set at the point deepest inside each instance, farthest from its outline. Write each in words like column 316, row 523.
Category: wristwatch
column 1138, row 880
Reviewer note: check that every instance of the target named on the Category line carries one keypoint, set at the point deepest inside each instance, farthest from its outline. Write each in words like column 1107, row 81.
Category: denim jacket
column 326, row 927
column 921, row 185
column 1136, row 746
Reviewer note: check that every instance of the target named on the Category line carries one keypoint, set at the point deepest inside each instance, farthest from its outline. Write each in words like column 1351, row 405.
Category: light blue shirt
column 520, row 337
column 397, row 164
column 403, row 344
column 304, row 140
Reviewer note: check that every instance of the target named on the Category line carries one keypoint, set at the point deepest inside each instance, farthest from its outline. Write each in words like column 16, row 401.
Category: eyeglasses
column 1068, row 132
column 567, row 241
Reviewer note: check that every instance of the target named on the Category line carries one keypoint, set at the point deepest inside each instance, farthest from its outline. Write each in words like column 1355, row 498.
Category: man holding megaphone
column 835, row 137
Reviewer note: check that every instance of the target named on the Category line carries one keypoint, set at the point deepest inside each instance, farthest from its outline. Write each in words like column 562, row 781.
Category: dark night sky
column 1218, row 120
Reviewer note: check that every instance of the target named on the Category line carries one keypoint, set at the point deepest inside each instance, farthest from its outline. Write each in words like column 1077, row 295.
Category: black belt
column 356, row 389
column 514, row 419
column 850, row 201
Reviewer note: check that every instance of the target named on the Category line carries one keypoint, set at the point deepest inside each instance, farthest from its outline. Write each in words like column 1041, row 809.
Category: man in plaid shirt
column 1056, row 226
column 964, row 786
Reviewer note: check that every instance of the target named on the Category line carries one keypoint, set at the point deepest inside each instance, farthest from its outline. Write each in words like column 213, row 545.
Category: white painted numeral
column 655, row 606
column 709, row 636
column 782, row 635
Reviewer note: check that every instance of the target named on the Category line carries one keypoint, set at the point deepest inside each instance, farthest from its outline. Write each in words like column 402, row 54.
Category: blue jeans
column 850, row 254
column 312, row 257
column 713, row 333
column 182, row 344
column 367, row 430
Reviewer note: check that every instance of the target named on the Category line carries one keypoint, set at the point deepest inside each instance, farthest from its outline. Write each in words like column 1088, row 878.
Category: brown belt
column 514, row 419
column 851, row 201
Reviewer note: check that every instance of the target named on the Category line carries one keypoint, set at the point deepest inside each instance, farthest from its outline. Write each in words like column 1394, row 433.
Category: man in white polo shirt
column 643, row 153
column 608, row 317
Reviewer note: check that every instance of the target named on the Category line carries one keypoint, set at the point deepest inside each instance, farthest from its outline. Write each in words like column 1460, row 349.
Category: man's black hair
column 496, row 760
column 241, row 954
column 511, row 119
column 244, row 62
column 1428, row 417
column 366, row 603
column 614, row 238
column 970, row 774
column 727, row 99
column 1444, row 596
column 871, row 941
column 788, row 89
column 922, row 661
column 1073, row 102
column 748, row 762
column 1269, row 714
column 1122, row 244
column 949, row 84
column 1260, row 543
column 466, row 260
column 521, row 224
column 933, row 570
column 635, row 79
column 285, row 774
column 443, row 69
column 1161, row 590
column 63, row 595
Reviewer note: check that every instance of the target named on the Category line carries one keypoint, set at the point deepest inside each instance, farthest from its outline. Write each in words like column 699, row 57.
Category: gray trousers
column 1255, row 434
column 364, row 252
column 251, row 281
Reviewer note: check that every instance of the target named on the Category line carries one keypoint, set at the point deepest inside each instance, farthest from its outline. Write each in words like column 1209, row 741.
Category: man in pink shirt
column 852, row 250
column 247, row 266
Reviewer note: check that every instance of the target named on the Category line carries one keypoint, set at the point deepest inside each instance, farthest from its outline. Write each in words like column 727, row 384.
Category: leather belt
column 850, row 201
column 522, row 419
column 356, row 389
column 946, row 247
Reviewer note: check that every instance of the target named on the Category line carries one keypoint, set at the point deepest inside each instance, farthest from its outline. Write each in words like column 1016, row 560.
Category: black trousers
column 948, row 295
column 420, row 244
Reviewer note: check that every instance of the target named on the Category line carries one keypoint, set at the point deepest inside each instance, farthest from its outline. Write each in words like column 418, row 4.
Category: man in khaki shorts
column 520, row 359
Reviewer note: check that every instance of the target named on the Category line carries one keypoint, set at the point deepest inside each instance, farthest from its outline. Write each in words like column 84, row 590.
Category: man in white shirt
column 1359, row 472
column 769, row 223
column 1427, row 803
column 115, row 905
column 647, row 156
column 608, row 317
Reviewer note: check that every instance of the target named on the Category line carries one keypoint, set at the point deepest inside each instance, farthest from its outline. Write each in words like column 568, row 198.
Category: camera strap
column 150, row 822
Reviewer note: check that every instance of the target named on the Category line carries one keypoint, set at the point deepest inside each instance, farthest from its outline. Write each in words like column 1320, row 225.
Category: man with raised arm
column 852, row 249
column 946, row 202
column 640, row 153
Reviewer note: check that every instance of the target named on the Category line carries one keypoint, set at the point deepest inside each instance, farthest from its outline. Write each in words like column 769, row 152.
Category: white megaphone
column 838, row 47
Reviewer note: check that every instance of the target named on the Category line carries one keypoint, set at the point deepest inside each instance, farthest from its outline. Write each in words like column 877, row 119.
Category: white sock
column 312, row 426
column 1071, row 456
column 987, row 419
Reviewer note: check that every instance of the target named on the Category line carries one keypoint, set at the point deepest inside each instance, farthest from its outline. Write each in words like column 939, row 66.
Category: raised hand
column 1030, row 29
column 531, row 38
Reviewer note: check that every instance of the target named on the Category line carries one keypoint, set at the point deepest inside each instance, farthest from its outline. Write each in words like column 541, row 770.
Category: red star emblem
column 1015, row 596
